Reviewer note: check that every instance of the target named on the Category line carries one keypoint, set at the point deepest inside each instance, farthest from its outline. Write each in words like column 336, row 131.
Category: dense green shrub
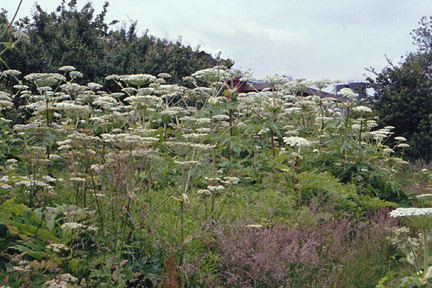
column 78, row 37
column 402, row 94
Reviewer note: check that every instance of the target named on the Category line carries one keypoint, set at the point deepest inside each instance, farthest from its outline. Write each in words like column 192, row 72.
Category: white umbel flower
column 400, row 138
column 362, row 109
column 137, row 79
column 405, row 212
column 348, row 93
column 417, row 217
column 297, row 141
column 67, row 68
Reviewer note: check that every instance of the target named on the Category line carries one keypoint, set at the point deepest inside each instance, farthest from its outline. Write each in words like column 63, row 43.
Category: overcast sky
column 311, row 39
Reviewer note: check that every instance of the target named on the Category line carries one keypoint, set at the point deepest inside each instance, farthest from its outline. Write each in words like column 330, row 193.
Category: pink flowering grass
column 330, row 253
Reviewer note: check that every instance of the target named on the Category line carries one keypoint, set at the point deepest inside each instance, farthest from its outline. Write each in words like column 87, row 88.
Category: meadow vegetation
column 168, row 179
column 155, row 184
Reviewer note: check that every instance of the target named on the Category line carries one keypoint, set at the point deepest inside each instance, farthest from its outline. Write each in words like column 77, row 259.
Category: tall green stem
column 426, row 252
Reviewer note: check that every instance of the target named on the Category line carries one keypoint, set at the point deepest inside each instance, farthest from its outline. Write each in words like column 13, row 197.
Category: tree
column 403, row 94
column 5, row 25
column 70, row 36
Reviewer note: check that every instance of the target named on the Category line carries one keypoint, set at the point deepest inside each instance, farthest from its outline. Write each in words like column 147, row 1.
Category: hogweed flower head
column 76, row 74
column 213, row 74
column 400, row 138
column 136, row 79
column 221, row 117
column 72, row 226
column 10, row 72
column 21, row 87
column 67, row 68
column 215, row 189
column 403, row 145
column 164, row 75
column 417, row 217
column 94, row 86
column 129, row 90
column 348, row 93
column 45, row 79
column 295, row 141
column 362, row 109
column 230, row 181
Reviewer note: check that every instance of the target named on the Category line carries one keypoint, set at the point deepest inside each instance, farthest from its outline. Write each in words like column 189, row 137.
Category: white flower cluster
column 71, row 107
column 129, row 90
column 72, row 225
column 105, row 102
column 137, row 79
column 295, row 141
column 94, row 86
column 67, row 68
column 145, row 91
column 175, row 111
column 215, row 188
column 164, row 75
column 348, row 93
column 150, row 101
column 5, row 100
column 75, row 74
column 275, row 80
column 203, row 121
column 221, row 117
column 213, row 74
column 78, row 140
column 230, row 180
column 400, row 138
column 254, row 101
column 10, row 72
column 168, row 89
column 128, row 141
column 407, row 212
column 21, row 87
column 184, row 148
column 45, row 79
column 25, row 181
column 403, row 145
column 380, row 134
column 417, row 217
column 362, row 109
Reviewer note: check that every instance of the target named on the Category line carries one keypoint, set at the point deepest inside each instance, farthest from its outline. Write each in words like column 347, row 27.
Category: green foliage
column 325, row 187
column 5, row 25
column 403, row 92
column 22, row 230
column 329, row 189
